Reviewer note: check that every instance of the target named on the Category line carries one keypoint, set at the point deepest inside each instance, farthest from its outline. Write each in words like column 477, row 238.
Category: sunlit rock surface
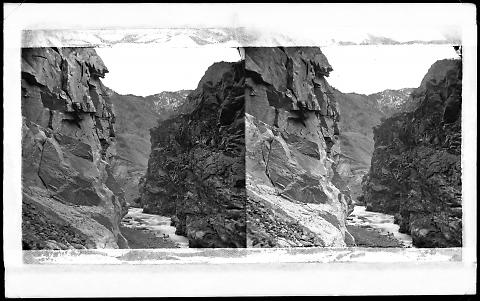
column 291, row 133
column 70, row 197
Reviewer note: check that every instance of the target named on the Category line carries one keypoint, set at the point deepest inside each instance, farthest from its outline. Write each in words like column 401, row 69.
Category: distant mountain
column 135, row 116
column 393, row 101
column 167, row 102
column 358, row 115
column 358, row 112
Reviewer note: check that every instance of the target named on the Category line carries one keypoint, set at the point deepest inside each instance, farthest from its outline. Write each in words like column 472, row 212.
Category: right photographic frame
column 354, row 146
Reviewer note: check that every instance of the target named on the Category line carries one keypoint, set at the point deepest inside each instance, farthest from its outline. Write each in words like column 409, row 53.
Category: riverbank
column 150, row 231
column 370, row 230
column 367, row 237
column 145, row 239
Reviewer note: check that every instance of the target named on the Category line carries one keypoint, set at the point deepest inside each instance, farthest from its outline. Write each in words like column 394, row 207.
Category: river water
column 159, row 225
column 379, row 221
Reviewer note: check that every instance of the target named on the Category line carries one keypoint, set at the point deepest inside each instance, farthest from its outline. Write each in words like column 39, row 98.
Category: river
column 159, row 226
column 381, row 222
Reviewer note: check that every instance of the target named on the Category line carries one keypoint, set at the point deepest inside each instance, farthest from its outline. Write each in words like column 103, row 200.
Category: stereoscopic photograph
column 249, row 144
column 265, row 151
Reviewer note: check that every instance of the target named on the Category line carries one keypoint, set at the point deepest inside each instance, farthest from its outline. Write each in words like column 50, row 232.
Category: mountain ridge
column 136, row 115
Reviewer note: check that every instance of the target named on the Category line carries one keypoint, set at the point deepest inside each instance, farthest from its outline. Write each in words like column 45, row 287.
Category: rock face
column 70, row 197
column 136, row 115
column 416, row 168
column 291, row 151
column 196, row 169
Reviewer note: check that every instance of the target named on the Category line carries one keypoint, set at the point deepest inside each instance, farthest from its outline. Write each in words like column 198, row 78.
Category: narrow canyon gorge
column 263, row 153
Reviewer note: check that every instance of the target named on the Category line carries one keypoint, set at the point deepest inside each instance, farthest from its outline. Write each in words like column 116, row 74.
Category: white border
column 237, row 279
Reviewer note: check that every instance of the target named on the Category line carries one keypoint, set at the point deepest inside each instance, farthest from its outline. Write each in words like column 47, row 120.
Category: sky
column 368, row 69
column 148, row 70
column 364, row 69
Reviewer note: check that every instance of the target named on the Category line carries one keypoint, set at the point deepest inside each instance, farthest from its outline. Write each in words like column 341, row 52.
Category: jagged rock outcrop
column 196, row 169
column 416, row 168
column 70, row 197
column 136, row 115
column 291, row 133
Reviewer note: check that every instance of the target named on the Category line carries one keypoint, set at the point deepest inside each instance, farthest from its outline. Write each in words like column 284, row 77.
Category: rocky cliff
column 292, row 150
column 416, row 169
column 136, row 115
column 70, row 197
column 196, row 169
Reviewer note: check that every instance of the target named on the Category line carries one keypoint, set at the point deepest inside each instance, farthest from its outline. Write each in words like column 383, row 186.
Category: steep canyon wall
column 291, row 151
column 196, row 169
column 416, row 166
column 70, row 197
